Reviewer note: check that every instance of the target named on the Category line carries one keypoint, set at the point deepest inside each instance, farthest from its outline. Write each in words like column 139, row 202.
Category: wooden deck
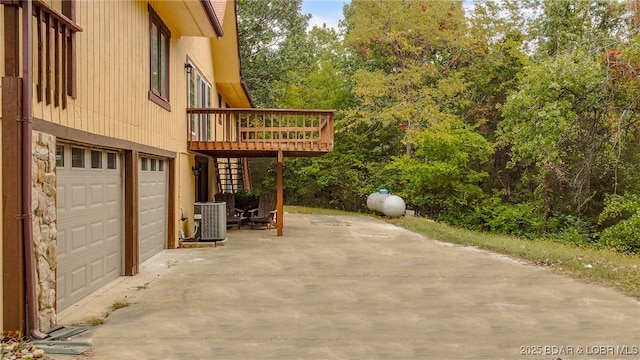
column 260, row 132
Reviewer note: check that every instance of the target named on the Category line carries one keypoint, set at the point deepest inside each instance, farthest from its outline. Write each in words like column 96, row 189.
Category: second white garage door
column 153, row 206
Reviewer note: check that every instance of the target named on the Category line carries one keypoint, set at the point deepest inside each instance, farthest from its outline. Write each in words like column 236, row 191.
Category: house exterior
column 116, row 116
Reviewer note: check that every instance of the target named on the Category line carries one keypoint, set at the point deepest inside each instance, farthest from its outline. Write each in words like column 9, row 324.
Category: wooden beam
column 56, row 63
column 13, row 267
column 47, row 59
column 280, row 193
column 11, row 40
column 131, row 206
column 171, row 214
column 40, row 55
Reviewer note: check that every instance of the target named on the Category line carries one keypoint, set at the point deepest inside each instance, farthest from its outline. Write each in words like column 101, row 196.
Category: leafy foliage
column 624, row 235
column 441, row 178
column 514, row 117
column 273, row 43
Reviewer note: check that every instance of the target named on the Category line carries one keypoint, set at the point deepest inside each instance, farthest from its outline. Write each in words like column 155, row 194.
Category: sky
column 330, row 11
column 324, row 11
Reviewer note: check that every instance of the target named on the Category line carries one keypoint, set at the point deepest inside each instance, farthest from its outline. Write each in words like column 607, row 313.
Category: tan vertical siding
column 112, row 58
column 113, row 76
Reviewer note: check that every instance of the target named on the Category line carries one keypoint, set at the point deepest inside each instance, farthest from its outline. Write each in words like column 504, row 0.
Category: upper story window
column 159, row 37
column 199, row 97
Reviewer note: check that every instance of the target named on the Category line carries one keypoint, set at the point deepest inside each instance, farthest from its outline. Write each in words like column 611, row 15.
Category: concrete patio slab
column 353, row 287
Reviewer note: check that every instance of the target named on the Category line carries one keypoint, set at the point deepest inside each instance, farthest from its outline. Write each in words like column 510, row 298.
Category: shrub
column 520, row 220
column 624, row 235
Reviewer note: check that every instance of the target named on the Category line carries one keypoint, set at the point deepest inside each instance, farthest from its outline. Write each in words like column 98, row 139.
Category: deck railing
column 265, row 130
column 55, row 54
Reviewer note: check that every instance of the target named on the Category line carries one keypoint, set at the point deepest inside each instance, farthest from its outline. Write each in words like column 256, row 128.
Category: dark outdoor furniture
column 265, row 214
column 235, row 216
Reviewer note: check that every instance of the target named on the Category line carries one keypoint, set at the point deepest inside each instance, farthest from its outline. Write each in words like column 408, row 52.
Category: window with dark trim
column 112, row 161
column 199, row 93
column 77, row 157
column 96, row 159
column 159, row 39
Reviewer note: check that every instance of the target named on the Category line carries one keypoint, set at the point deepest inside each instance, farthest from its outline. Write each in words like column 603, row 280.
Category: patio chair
column 235, row 216
column 265, row 214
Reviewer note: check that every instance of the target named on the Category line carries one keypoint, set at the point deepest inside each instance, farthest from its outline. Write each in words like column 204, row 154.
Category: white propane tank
column 383, row 202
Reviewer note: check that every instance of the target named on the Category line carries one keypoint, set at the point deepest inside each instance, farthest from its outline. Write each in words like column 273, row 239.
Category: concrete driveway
column 353, row 287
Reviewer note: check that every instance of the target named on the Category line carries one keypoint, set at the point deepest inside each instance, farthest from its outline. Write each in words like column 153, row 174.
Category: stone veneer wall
column 45, row 234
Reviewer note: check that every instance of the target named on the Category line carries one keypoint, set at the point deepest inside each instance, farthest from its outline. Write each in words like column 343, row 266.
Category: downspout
column 27, row 211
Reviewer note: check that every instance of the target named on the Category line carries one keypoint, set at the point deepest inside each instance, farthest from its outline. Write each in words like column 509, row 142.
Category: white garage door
column 153, row 206
column 89, row 205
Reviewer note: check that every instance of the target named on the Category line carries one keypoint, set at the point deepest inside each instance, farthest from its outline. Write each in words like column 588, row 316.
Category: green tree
column 567, row 126
column 442, row 180
column 499, row 38
column 407, row 54
column 556, row 125
column 566, row 25
column 325, row 84
column 273, row 42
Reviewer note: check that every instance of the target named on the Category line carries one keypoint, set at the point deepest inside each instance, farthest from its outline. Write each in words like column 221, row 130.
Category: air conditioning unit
column 213, row 220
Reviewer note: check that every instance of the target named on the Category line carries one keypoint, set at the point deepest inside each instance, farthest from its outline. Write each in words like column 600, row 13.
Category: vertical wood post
column 171, row 213
column 131, row 229
column 13, row 277
column 13, row 266
column 280, row 193
column 11, row 40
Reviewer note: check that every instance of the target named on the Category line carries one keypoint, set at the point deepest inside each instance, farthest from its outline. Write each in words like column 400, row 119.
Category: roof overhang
column 192, row 17
column 227, row 62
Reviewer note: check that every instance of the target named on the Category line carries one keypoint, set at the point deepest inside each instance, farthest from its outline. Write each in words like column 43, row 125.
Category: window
column 160, row 165
column 112, row 161
column 199, row 97
column 77, row 157
column 159, row 37
column 145, row 164
column 60, row 155
column 96, row 159
column 153, row 164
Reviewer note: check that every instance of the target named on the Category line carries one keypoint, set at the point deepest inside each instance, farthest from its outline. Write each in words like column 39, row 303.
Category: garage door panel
column 78, row 239
column 113, row 194
column 78, row 279
column 97, row 234
column 89, row 229
column 97, row 194
column 114, row 263
column 61, row 246
column 97, row 271
column 61, row 200
column 78, row 197
column 153, row 200
column 61, row 283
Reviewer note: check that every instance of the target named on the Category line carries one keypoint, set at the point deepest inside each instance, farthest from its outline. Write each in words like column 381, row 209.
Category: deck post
column 280, row 193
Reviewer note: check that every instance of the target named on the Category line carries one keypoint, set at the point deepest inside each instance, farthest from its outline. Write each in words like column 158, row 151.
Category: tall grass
column 602, row 266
